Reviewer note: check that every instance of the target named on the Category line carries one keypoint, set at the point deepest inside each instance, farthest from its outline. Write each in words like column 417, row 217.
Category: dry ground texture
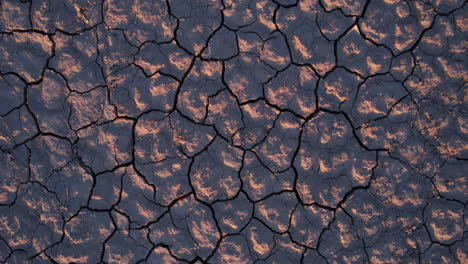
column 233, row 131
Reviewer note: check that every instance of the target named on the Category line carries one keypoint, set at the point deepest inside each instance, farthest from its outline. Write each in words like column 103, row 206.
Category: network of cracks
column 233, row 131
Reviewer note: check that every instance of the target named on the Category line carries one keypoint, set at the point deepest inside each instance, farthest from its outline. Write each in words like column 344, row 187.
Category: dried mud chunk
column 14, row 15
column 169, row 177
column 438, row 254
column 250, row 16
column 90, row 108
column 84, row 239
column 239, row 13
column 141, row 20
column 336, row 88
column 258, row 118
column 115, row 53
column 233, row 215
column 160, row 144
column 161, row 253
column 333, row 24
column 16, row 128
column 259, row 182
column 438, row 76
column 127, row 248
column 245, row 75
column 72, row 184
column 275, row 52
column 105, row 146
column 397, row 247
column 397, row 133
column 14, row 171
column 52, row 164
column 190, row 229
column 439, row 79
column 451, row 180
column 70, row 16
column 399, row 186
column 192, row 138
column 197, row 21
column 11, row 93
column 282, row 141
column 222, row 46
column 285, row 251
column 305, row 39
column 224, row 114
column 277, row 210
column 444, row 221
column 260, row 238
column 233, row 249
column 48, row 103
column 374, row 99
column 106, row 190
column 214, row 173
column 166, row 58
column 402, row 66
column 203, row 81
column 459, row 250
column 439, row 125
column 136, row 200
column 368, row 215
column 340, row 243
column 307, row 223
column 249, row 43
column 330, row 161
column 394, row 24
column 133, row 93
column 34, row 222
column 313, row 256
column 222, row 131
column 293, row 89
column 48, row 154
column 446, row 6
column 25, row 53
column 153, row 138
column 75, row 57
column 361, row 56
column 349, row 7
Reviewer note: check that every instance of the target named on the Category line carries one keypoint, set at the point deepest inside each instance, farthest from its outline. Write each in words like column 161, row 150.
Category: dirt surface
column 233, row 131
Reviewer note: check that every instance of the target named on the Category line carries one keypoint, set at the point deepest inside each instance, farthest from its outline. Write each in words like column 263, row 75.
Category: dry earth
column 233, row 131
